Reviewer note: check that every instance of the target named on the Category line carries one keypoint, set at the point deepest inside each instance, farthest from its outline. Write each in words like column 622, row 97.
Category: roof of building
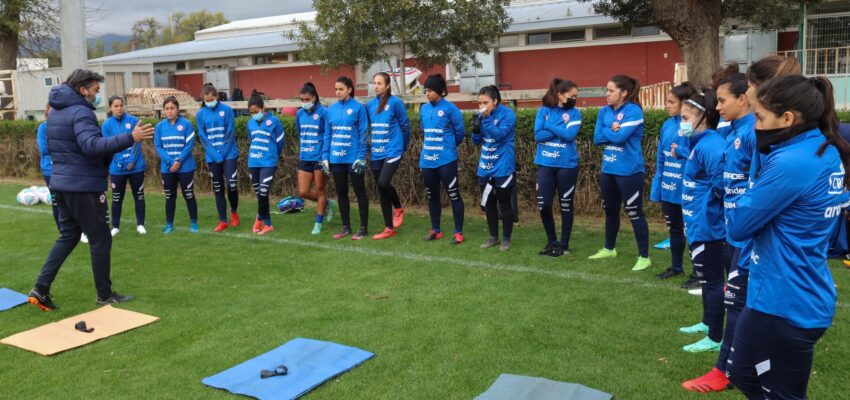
column 265, row 35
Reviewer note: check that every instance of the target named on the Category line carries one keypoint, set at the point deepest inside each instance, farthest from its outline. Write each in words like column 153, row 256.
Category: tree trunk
column 695, row 26
column 9, row 35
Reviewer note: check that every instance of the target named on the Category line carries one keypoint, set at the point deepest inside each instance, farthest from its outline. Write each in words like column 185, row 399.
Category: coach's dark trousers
column 80, row 213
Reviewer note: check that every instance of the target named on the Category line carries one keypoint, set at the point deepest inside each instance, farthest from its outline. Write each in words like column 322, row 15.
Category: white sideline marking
column 577, row 275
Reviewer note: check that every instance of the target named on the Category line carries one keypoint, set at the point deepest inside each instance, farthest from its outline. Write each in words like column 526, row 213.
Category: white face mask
column 482, row 109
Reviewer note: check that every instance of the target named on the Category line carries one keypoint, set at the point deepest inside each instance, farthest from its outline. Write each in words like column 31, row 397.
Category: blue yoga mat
column 10, row 298
column 663, row 245
column 518, row 387
column 310, row 363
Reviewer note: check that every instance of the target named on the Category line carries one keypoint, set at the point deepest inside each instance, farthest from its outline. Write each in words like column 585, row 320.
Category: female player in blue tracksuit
column 389, row 139
column 344, row 154
column 673, row 150
column 557, row 124
column 442, row 132
column 736, row 285
column 46, row 162
column 128, row 165
column 174, row 139
column 702, row 210
column 265, row 133
column 496, row 131
column 216, row 131
column 310, row 128
column 619, row 127
column 798, row 192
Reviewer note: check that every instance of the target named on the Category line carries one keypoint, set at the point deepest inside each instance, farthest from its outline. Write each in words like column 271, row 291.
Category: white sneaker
column 84, row 238
column 695, row 292
column 141, row 229
column 114, row 232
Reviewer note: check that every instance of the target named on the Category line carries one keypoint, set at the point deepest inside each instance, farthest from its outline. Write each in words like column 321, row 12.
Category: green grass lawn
column 444, row 321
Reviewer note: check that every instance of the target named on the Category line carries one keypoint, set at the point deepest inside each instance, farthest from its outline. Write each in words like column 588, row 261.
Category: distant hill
column 108, row 39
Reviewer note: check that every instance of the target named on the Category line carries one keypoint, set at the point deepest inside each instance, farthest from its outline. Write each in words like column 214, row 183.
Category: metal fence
column 833, row 63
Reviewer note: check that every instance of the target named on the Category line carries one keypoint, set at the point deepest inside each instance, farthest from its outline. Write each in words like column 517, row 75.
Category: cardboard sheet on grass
column 57, row 337
column 517, row 387
column 10, row 298
column 309, row 362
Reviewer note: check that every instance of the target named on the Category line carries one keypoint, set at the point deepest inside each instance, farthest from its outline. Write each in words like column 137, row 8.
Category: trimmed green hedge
column 19, row 158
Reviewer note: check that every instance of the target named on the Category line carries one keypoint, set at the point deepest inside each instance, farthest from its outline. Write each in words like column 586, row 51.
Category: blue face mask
column 258, row 116
column 211, row 104
column 96, row 100
column 686, row 129
column 307, row 106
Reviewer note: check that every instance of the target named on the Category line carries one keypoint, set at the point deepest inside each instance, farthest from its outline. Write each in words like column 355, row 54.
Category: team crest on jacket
column 387, row 107
column 349, row 111
column 441, row 113
column 221, row 113
column 737, row 143
column 127, row 126
column 566, row 117
column 268, row 122
column 315, row 116
column 620, row 117
column 180, row 128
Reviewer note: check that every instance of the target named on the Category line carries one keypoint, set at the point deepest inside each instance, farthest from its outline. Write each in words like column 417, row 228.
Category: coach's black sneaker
column 115, row 298
column 41, row 300
column 668, row 273
column 506, row 244
column 691, row 283
column 491, row 241
column 547, row 251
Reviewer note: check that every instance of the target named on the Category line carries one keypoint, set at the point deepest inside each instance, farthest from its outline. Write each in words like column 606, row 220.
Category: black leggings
column 710, row 261
column 261, row 179
column 187, row 184
column 627, row 190
column 119, row 186
column 676, row 226
column 383, row 175
column 564, row 180
column 341, row 176
column 502, row 196
column 447, row 174
column 224, row 175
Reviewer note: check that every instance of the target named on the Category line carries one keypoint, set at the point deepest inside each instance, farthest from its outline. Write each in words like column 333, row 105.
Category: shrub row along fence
column 19, row 158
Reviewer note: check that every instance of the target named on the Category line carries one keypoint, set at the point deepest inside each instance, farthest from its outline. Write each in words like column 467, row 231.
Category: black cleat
column 668, row 273
column 547, row 251
column 43, row 301
column 558, row 251
column 115, row 298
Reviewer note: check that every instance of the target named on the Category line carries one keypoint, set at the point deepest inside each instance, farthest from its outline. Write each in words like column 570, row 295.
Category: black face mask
column 769, row 137
column 571, row 102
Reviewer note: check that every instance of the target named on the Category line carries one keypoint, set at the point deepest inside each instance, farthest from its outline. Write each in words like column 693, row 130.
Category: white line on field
column 577, row 275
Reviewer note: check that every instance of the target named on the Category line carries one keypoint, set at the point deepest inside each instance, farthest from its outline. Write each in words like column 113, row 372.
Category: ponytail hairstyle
column 310, row 89
column 812, row 100
column 630, row 85
column 172, row 100
column 347, row 82
column 256, row 100
column 109, row 104
column 683, row 91
column 771, row 67
column 556, row 87
column 706, row 103
column 209, row 88
column 386, row 97
column 492, row 92
column 731, row 68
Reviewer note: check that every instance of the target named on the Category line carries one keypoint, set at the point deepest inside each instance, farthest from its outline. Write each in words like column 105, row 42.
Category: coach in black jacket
column 81, row 157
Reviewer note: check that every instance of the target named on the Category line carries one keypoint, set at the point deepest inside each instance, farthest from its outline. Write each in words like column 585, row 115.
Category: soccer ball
column 28, row 197
column 290, row 204
column 44, row 195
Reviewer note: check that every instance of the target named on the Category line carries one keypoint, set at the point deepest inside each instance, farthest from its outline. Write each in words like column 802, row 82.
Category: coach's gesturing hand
column 142, row 132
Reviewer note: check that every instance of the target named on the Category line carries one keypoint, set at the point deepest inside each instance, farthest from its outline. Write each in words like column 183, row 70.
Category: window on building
column 568, row 36
column 538, row 38
column 611, row 32
column 141, row 80
column 115, row 84
column 48, row 81
column 646, row 31
column 509, row 40
column 181, row 66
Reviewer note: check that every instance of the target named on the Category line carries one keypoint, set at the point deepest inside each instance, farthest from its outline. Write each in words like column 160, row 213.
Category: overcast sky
column 117, row 16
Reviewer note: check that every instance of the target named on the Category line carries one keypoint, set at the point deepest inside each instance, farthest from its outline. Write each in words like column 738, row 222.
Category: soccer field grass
column 444, row 321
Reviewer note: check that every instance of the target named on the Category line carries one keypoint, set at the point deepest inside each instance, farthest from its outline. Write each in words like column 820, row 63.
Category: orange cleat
column 220, row 227
column 387, row 233
column 714, row 381
column 433, row 235
column 234, row 219
column 458, row 238
column 266, row 229
column 258, row 226
column 398, row 217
